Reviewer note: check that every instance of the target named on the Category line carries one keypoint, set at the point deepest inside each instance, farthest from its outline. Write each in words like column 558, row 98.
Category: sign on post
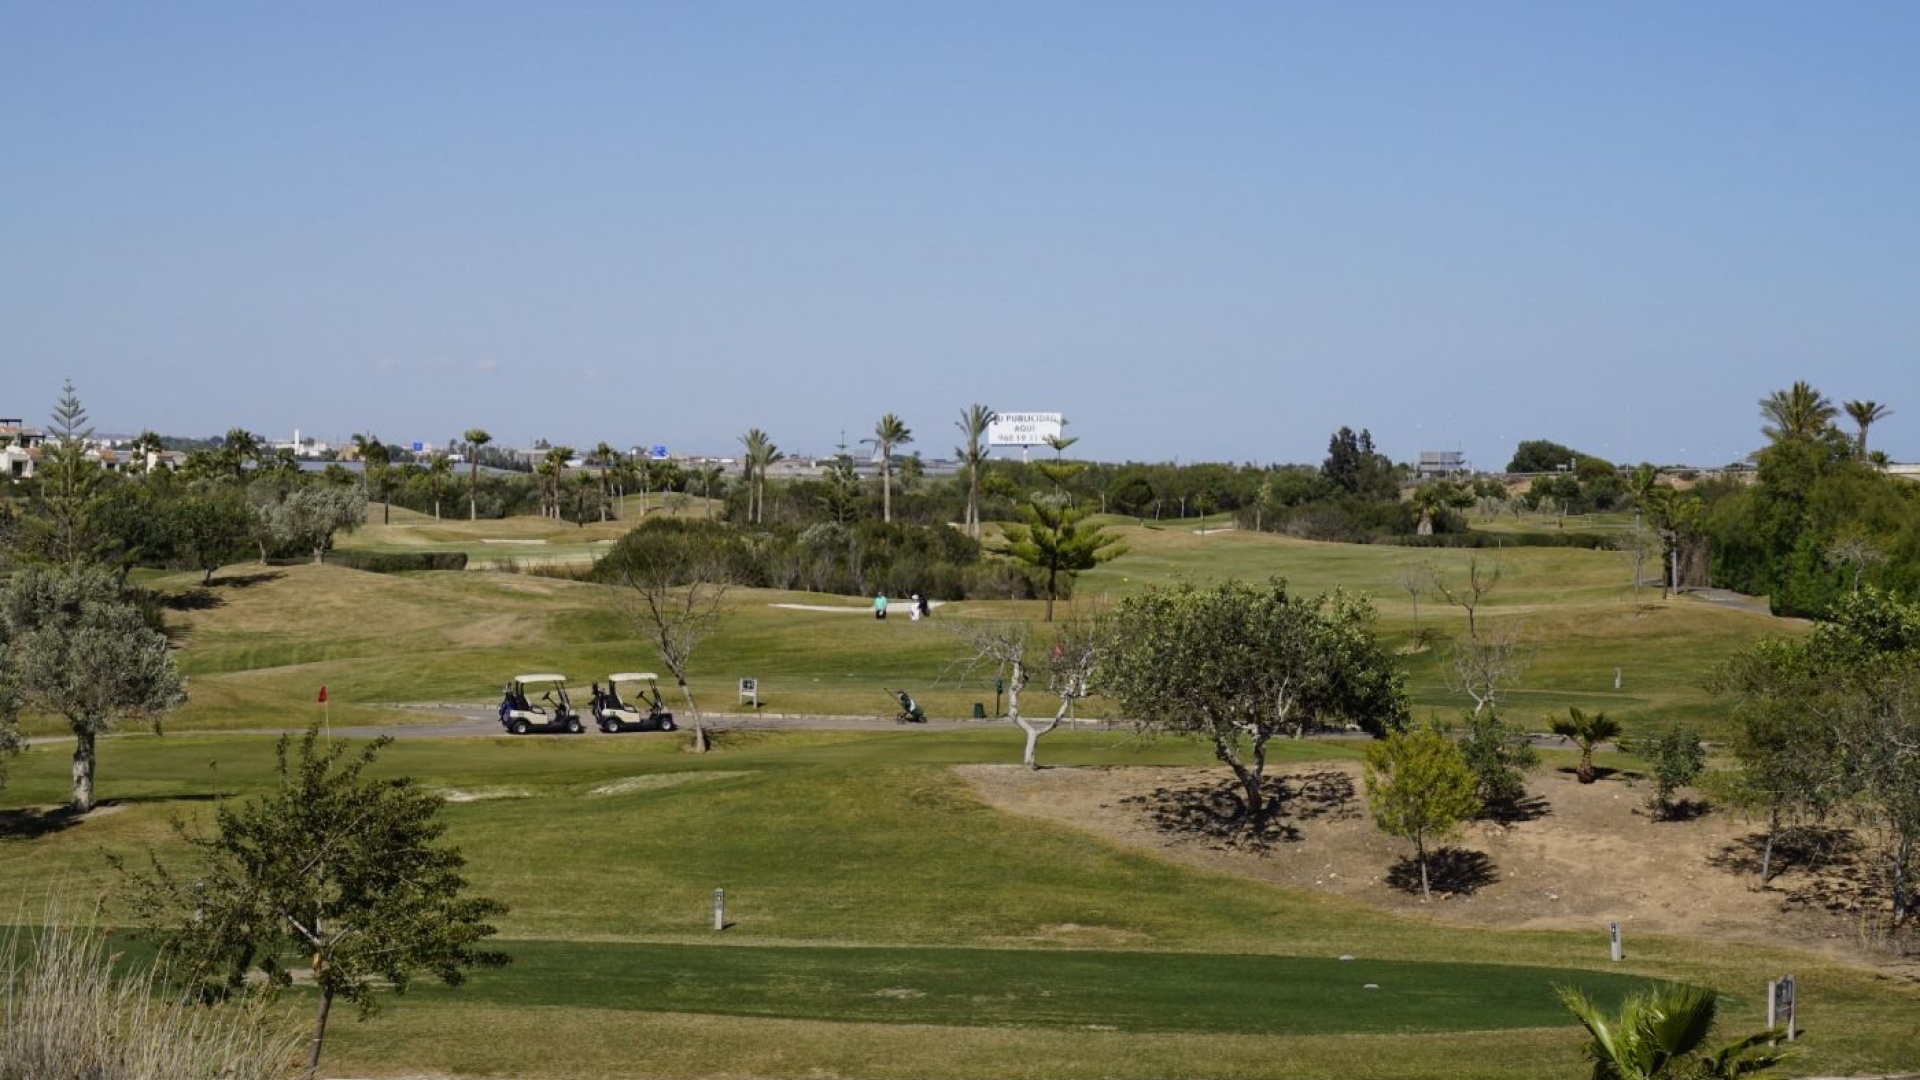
column 719, row 909
column 1613, row 939
column 750, row 691
column 1780, row 1004
column 1025, row 428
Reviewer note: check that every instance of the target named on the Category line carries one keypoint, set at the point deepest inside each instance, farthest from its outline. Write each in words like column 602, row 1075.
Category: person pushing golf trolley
column 910, row 710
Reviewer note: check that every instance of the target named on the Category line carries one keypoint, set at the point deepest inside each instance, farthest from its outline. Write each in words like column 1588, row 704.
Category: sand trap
column 655, row 781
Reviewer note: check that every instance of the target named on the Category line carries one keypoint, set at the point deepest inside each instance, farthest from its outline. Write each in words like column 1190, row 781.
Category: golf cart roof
column 539, row 678
column 633, row 676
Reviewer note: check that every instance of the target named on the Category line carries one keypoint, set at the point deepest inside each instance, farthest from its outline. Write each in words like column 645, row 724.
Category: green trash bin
column 979, row 710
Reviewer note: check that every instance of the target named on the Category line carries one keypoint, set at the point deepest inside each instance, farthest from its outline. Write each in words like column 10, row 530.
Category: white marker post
column 1780, row 1004
column 1613, row 938
column 719, row 909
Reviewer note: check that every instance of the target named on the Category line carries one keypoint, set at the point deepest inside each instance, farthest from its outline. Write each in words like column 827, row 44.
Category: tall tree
column 77, row 649
column 439, row 468
column 606, row 457
column 974, row 421
column 1420, row 788
column 69, row 483
column 1239, row 664
column 761, row 455
column 1057, row 540
column 333, row 864
column 1865, row 414
column 238, row 449
column 890, row 432
column 675, row 574
column 475, row 439
column 1797, row 414
column 374, row 460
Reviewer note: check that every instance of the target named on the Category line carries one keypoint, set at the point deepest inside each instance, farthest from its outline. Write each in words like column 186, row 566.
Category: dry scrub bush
column 66, row 1014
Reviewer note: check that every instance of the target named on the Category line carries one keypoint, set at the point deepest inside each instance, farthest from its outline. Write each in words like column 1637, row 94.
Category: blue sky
column 1203, row 231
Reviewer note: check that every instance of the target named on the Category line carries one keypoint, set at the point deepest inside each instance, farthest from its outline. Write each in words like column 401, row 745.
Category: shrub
column 398, row 562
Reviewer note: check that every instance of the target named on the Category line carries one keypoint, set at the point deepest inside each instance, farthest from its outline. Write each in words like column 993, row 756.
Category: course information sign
column 1025, row 428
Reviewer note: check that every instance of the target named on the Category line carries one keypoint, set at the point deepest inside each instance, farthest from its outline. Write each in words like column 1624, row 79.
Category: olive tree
column 1238, row 664
column 74, row 647
column 336, row 867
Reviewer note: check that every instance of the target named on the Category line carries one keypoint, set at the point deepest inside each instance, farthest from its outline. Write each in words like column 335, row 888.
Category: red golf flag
column 323, row 692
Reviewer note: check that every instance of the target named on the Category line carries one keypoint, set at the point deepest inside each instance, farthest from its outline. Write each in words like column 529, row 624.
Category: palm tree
column 1797, row 414
column 439, row 467
column 606, row 456
column 1588, row 732
column 1660, row 1034
column 553, row 468
column 709, row 476
column 147, row 447
column 760, row 454
column 239, row 447
column 476, row 438
column 887, row 434
column 974, row 421
column 1866, row 414
column 374, row 459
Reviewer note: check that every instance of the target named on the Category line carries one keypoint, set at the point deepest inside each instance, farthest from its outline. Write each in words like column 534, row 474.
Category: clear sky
column 1204, row 231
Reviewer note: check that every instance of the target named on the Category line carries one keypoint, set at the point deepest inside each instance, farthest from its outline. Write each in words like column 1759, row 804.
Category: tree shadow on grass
column 195, row 599
column 1803, row 848
column 34, row 822
column 246, row 581
column 1217, row 813
column 1450, row 870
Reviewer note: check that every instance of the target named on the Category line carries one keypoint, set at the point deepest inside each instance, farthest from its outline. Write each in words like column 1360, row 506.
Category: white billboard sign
column 1025, row 428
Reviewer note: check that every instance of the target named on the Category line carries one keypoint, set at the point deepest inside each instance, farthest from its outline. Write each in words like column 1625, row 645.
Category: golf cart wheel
column 573, row 726
column 666, row 723
column 520, row 727
column 609, row 726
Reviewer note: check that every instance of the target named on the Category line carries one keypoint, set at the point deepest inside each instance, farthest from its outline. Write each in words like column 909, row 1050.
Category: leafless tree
column 1485, row 668
column 1483, row 576
column 1068, row 666
column 673, row 595
column 1853, row 551
column 1412, row 583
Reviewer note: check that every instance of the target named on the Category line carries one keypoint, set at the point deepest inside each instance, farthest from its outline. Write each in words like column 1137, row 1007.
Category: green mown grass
column 885, row 921
column 1081, row 988
column 868, row 889
column 262, row 642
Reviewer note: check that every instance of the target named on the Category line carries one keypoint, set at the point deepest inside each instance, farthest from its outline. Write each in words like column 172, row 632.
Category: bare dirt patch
column 1591, row 853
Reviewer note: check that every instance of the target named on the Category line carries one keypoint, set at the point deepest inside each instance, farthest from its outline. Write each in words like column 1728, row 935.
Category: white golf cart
column 538, row 703
column 631, row 702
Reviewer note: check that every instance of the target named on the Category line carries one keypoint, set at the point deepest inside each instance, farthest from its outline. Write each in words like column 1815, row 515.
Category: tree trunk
column 83, row 755
column 701, row 743
column 1420, row 853
column 1584, row 771
column 319, row 1031
column 1249, row 779
column 1052, row 576
column 1766, row 853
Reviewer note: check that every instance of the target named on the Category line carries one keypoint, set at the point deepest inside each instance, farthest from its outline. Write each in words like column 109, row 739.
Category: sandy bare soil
column 1591, row 856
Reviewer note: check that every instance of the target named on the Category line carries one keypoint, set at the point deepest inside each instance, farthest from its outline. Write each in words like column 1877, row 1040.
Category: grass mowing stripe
column 1118, row 991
